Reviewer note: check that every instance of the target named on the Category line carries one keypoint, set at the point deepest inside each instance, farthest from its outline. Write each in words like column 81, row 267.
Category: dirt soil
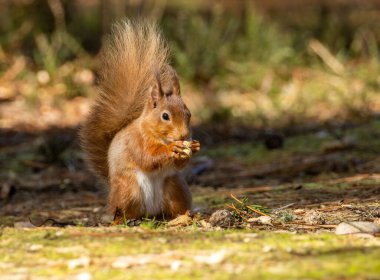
column 54, row 221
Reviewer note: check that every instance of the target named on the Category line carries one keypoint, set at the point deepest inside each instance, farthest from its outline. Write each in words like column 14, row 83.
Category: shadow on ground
column 44, row 175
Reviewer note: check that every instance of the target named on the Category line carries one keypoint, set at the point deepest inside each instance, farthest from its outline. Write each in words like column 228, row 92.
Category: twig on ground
column 54, row 223
column 284, row 207
column 311, row 226
column 248, row 207
column 238, row 211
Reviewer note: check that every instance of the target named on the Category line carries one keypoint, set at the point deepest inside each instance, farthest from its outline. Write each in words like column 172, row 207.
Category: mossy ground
column 184, row 254
column 240, row 83
column 289, row 249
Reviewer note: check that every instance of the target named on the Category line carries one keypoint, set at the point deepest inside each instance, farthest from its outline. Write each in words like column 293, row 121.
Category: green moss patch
column 185, row 254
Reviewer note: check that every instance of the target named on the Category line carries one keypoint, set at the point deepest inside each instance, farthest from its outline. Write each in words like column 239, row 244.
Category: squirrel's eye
column 165, row 116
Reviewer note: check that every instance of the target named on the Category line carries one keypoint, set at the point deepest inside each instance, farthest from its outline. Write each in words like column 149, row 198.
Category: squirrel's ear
column 156, row 91
column 155, row 94
column 175, row 81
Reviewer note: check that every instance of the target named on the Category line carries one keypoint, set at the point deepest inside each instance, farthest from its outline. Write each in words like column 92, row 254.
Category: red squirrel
column 137, row 135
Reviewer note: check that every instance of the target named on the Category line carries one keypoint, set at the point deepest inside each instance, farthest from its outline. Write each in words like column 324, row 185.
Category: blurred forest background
column 259, row 63
column 285, row 99
column 258, row 76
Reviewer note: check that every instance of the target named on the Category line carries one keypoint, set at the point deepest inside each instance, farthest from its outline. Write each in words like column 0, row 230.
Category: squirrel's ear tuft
column 156, row 91
column 175, row 81
column 155, row 94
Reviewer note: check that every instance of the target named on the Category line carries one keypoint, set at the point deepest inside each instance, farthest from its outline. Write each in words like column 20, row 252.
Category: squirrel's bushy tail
column 129, row 58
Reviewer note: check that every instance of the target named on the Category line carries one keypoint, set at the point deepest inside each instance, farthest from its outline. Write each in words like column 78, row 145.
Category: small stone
column 106, row 219
column 322, row 134
column 262, row 220
column 213, row 259
column 289, row 250
column 35, row 247
column 222, row 218
column 357, row 227
column 84, row 276
column 314, row 217
column 123, row 262
column 25, row 224
column 175, row 265
column 80, row 262
column 251, row 235
column 133, row 222
column 267, row 249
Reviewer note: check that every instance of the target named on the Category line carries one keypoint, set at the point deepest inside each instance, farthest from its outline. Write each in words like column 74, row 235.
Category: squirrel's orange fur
column 134, row 134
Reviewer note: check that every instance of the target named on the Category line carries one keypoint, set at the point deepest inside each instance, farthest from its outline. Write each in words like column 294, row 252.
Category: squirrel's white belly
column 152, row 188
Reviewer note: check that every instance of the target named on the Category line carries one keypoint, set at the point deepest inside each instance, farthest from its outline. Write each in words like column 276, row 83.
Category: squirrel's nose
column 184, row 135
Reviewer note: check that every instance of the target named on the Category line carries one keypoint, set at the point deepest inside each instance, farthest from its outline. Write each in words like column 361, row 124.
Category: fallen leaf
column 183, row 220
column 299, row 211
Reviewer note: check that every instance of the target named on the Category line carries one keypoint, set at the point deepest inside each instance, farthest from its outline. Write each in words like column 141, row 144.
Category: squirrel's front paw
column 195, row 146
column 181, row 150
